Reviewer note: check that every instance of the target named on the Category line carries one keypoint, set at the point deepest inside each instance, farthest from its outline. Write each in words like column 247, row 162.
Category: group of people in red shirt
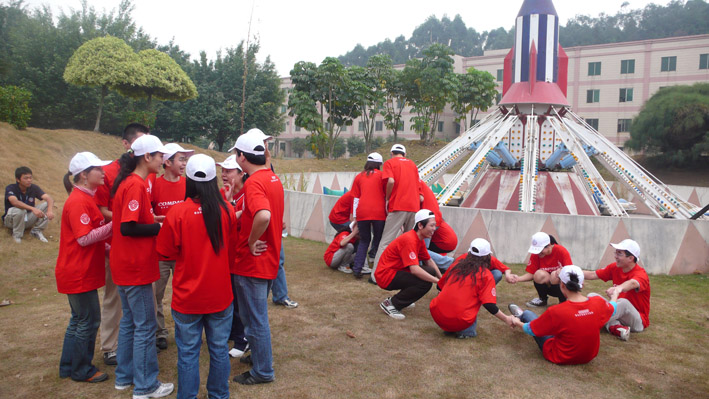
column 221, row 247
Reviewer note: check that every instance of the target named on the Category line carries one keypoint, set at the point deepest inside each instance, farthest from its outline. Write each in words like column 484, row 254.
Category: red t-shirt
column 134, row 260
column 405, row 194
column 430, row 202
column 201, row 283
column 262, row 191
column 558, row 258
column 444, row 237
column 456, row 306
column 371, row 191
column 335, row 245
column 406, row 250
column 103, row 193
column 166, row 193
column 79, row 269
column 640, row 297
column 575, row 327
column 340, row 213
column 494, row 264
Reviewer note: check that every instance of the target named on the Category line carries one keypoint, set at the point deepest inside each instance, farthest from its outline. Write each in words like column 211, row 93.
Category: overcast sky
column 310, row 30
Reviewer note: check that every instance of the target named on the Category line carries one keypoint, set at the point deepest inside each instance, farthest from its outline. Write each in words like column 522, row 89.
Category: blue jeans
column 497, row 275
column 188, row 337
column 280, row 286
column 470, row 331
column 443, row 262
column 528, row 316
column 137, row 354
column 252, row 296
column 80, row 337
column 368, row 230
column 237, row 327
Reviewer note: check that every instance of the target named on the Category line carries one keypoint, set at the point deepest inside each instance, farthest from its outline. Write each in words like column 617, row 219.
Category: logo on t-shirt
column 84, row 218
column 493, row 292
column 133, row 205
column 583, row 312
column 412, row 255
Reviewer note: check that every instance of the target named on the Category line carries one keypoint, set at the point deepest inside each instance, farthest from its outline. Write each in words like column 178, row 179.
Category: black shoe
column 246, row 359
column 370, row 281
column 246, row 378
column 161, row 343
column 109, row 358
column 356, row 275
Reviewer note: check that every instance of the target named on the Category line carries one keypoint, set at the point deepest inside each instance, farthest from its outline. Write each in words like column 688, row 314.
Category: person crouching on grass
column 467, row 285
column 80, row 267
column 399, row 269
column 340, row 254
column 568, row 333
column 547, row 257
column 200, row 234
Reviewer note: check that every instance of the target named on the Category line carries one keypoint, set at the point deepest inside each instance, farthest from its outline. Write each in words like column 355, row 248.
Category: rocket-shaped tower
column 533, row 154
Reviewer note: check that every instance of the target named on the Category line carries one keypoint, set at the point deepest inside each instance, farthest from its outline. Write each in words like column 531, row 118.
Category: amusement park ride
column 534, row 128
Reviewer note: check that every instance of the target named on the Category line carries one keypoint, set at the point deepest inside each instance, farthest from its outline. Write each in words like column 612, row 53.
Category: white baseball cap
column 539, row 241
column 229, row 163
column 375, row 157
column 258, row 134
column 250, row 142
column 148, row 144
column 566, row 271
column 84, row 160
column 398, row 147
column 173, row 149
column 422, row 215
column 201, row 167
column 630, row 246
column 480, row 247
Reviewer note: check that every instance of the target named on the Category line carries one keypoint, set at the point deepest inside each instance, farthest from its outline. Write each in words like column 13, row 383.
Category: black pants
column 368, row 230
column 412, row 289
column 546, row 290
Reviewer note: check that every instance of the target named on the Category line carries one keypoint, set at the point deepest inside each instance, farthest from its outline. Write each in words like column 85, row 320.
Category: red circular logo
column 412, row 255
column 133, row 205
column 84, row 218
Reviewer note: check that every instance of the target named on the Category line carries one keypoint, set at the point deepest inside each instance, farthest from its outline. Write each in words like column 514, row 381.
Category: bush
column 14, row 106
column 299, row 145
column 340, row 148
column 144, row 117
column 377, row 142
column 355, row 145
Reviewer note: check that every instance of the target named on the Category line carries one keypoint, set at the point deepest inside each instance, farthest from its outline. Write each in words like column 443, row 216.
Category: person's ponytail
column 573, row 285
column 128, row 162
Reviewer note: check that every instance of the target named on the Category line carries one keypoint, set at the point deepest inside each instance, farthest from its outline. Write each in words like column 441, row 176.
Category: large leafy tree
column 475, row 93
column 674, row 124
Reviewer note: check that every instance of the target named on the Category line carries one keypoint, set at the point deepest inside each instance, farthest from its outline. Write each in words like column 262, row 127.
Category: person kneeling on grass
column 465, row 286
column 547, row 257
column 340, row 253
column 568, row 333
column 399, row 269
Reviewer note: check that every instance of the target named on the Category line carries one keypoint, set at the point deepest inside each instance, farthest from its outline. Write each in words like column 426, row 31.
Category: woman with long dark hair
column 80, row 266
column 134, row 265
column 467, row 285
column 547, row 257
column 201, row 286
column 369, row 210
column 568, row 333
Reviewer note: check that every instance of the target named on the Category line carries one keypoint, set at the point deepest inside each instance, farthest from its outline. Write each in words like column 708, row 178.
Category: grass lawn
column 316, row 357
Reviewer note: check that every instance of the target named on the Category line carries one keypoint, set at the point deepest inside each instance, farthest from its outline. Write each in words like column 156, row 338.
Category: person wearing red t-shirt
column 399, row 266
column 340, row 254
column 547, row 257
column 368, row 190
column 80, row 267
column 403, row 198
column 632, row 285
column 257, row 252
column 444, row 240
column 568, row 333
column 200, row 233
column 467, row 285
column 134, row 267
column 340, row 213
column 497, row 269
column 169, row 189
column 111, row 312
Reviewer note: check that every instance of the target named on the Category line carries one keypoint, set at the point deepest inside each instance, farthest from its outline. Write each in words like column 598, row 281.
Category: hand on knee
column 542, row 277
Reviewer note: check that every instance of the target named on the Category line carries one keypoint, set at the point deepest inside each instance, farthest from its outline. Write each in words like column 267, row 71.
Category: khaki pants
column 625, row 314
column 395, row 222
column 344, row 256
column 111, row 313
column 20, row 220
column 159, row 289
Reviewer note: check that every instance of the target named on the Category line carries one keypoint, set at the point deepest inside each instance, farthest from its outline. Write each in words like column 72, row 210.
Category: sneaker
column 161, row 343
column 246, row 378
column 622, row 332
column 38, row 235
column 366, row 270
column 390, row 310
column 344, row 269
column 288, row 303
column 356, row 275
column 536, row 302
column 164, row 389
column 462, row 336
column 109, row 358
column 97, row 377
column 18, row 240
column 370, row 280
column 122, row 387
column 236, row 352
column 413, row 305
column 515, row 310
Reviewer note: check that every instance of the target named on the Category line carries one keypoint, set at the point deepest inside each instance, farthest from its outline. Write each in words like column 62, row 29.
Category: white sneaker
column 18, row 240
column 344, row 269
column 390, row 310
column 121, row 387
column 536, row 302
column 164, row 389
column 238, row 353
column 624, row 333
column 366, row 270
column 38, row 235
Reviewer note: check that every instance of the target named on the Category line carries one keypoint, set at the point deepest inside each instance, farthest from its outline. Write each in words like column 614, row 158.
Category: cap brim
column 232, row 148
column 535, row 250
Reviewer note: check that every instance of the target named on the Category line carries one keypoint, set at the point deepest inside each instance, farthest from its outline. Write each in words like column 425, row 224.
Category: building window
column 283, row 109
column 703, row 61
column 593, row 96
column 626, row 95
column 498, row 98
column 623, row 125
column 457, row 128
column 400, row 104
column 379, row 126
column 627, row 66
column 360, row 127
column 297, row 128
column 327, row 126
column 285, row 127
column 593, row 122
column 500, row 75
column 594, row 68
column 400, row 126
column 668, row 64
column 440, row 126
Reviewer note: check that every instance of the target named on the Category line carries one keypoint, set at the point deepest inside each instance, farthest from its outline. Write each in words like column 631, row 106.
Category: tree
column 355, row 145
column 369, row 89
column 674, row 124
column 104, row 62
column 299, row 146
column 476, row 93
